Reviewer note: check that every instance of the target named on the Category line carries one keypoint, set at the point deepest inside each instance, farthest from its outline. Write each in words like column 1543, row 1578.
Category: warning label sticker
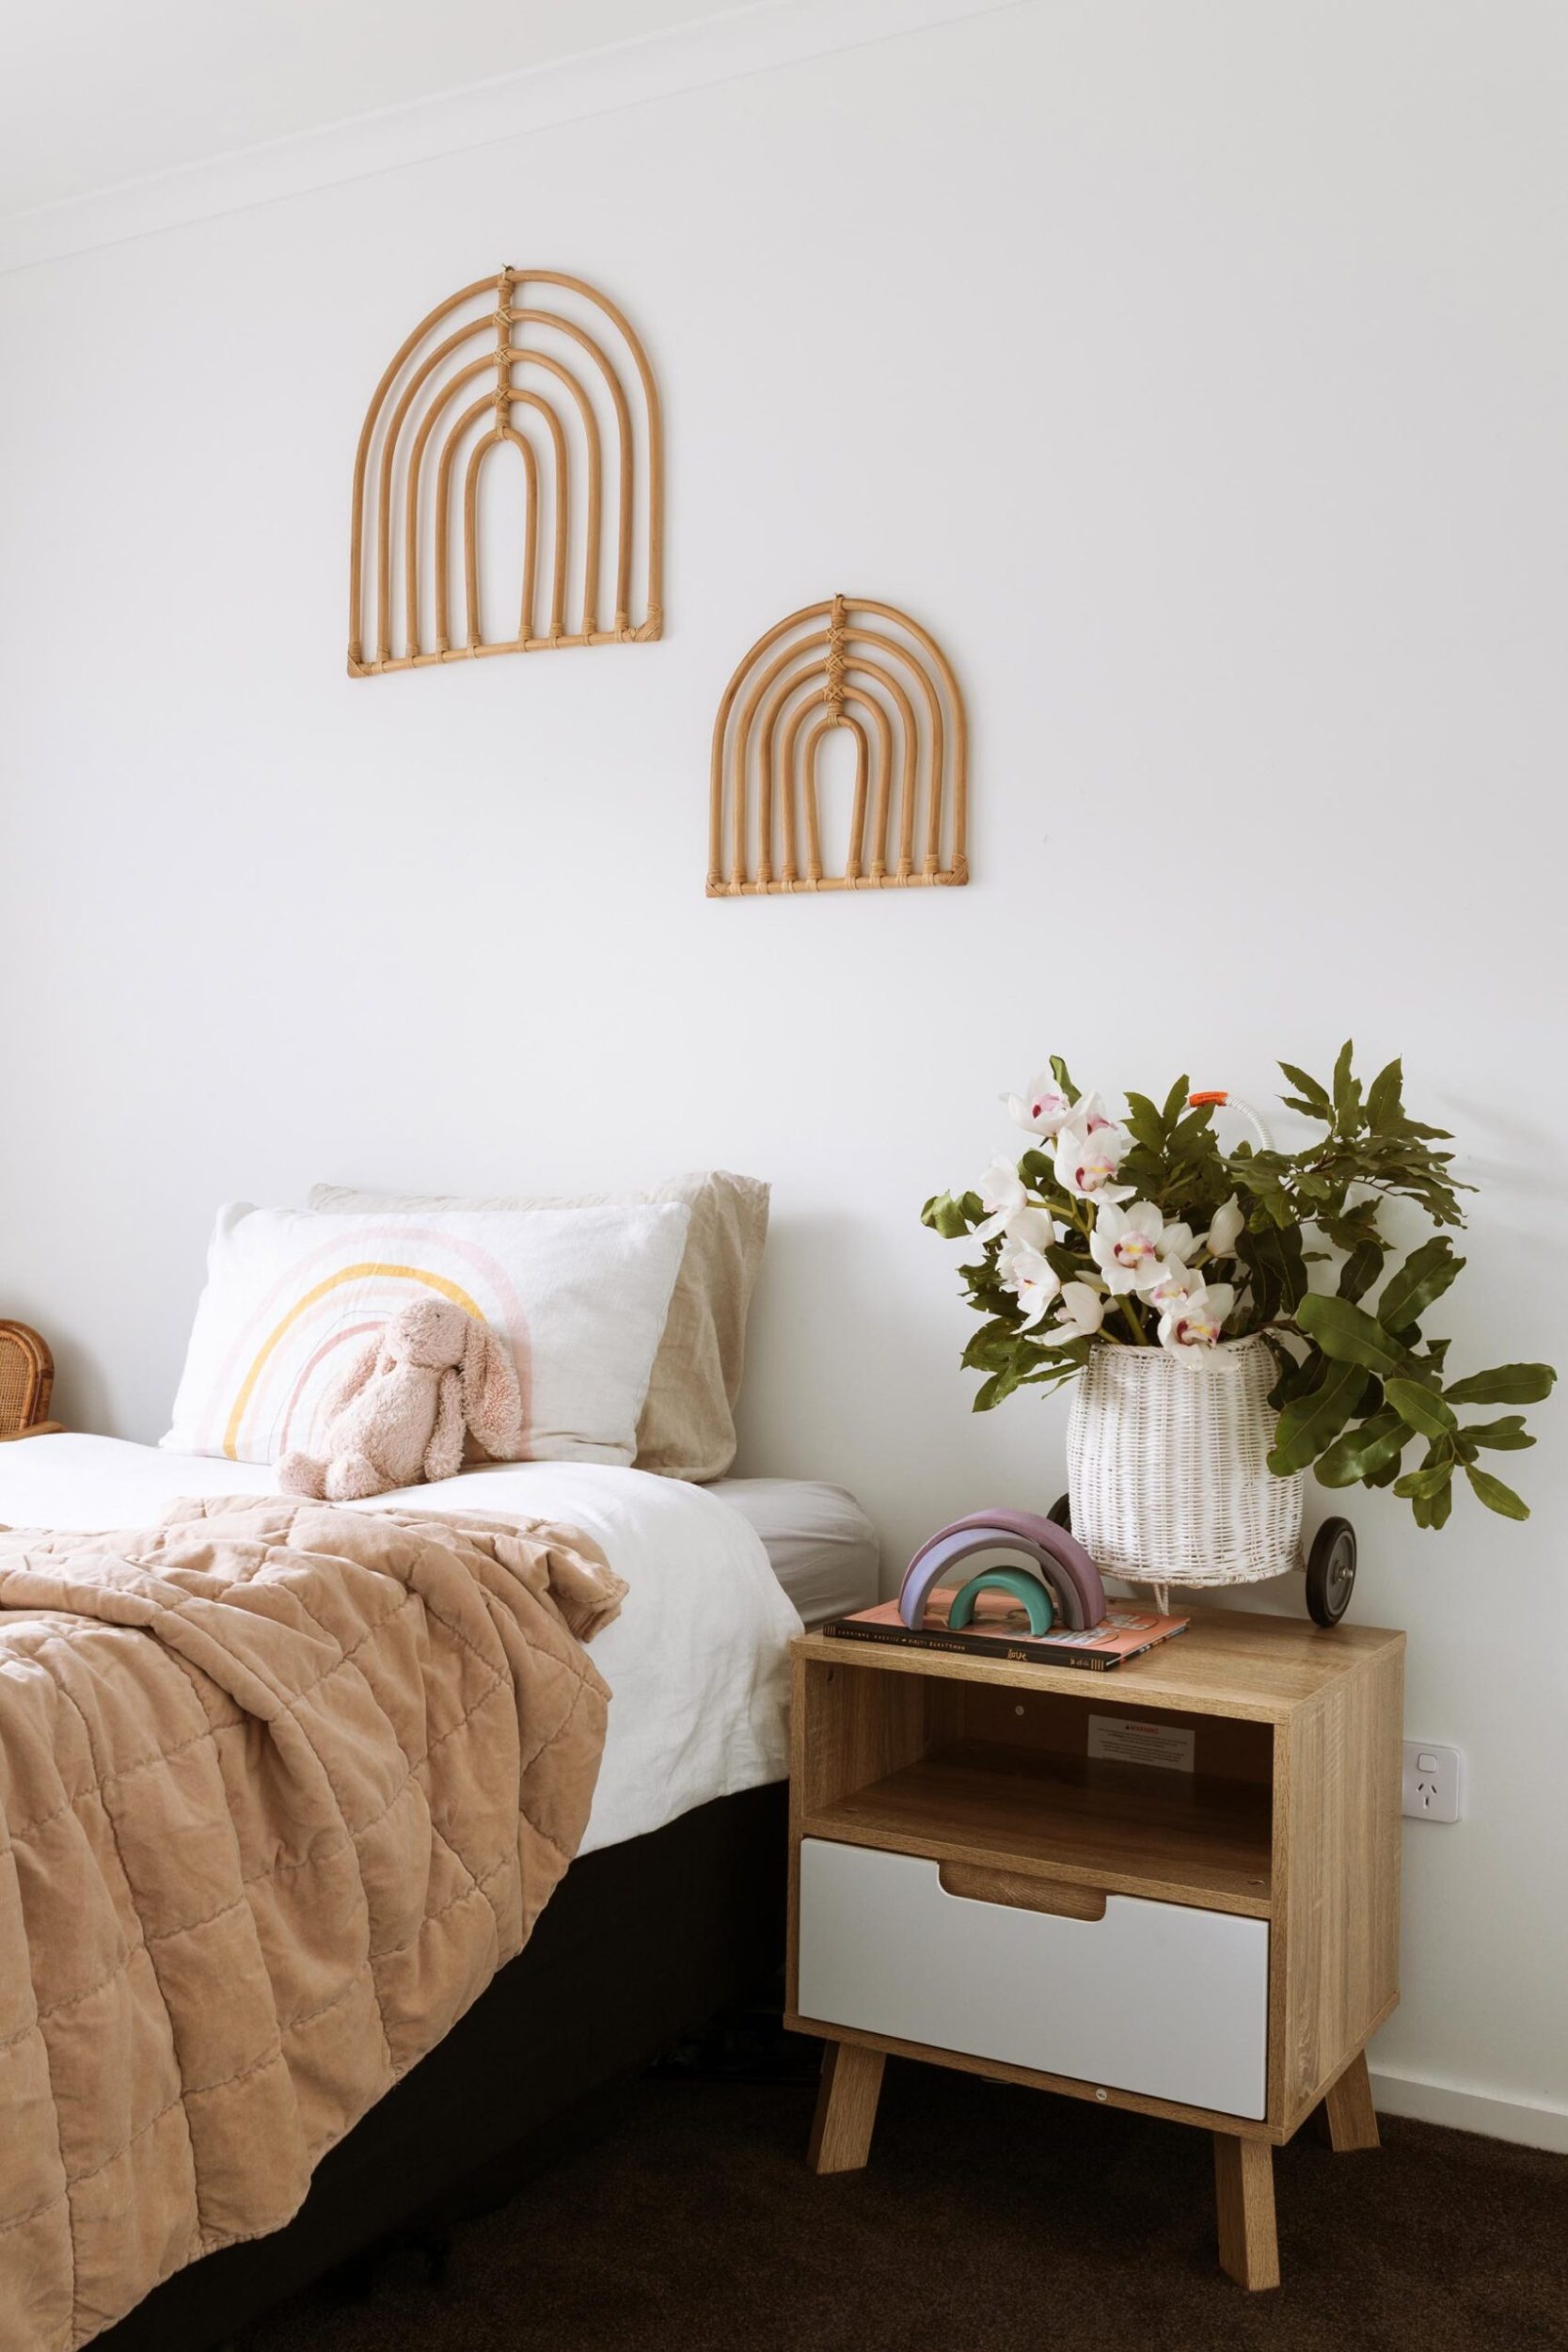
column 1123, row 1740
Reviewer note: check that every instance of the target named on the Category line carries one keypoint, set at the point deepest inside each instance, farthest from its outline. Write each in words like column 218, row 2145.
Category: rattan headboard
column 26, row 1379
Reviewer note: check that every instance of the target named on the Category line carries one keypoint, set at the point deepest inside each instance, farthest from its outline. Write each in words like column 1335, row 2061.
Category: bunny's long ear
column 492, row 1401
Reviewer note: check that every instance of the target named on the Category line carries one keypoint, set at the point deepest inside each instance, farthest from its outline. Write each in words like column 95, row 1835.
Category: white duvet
column 696, row 1661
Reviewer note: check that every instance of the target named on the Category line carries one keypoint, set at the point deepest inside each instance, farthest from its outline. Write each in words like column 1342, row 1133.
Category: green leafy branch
column 1360, row 1384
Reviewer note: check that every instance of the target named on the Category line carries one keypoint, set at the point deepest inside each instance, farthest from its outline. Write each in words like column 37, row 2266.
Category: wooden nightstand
column 974, row 1883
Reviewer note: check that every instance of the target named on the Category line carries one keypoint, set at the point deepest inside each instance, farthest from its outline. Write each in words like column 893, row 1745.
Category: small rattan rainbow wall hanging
column 585, row 424
column 867, row 667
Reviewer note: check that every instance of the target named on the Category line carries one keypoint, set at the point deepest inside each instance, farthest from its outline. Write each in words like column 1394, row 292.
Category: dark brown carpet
column 989, row 2219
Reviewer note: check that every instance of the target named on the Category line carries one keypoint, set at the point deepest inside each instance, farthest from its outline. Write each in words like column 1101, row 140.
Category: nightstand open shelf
column 1133, row 1829
column 980, row 1880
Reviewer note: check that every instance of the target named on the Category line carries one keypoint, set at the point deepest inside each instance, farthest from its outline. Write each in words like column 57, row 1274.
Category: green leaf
column 1347, row 1090
column 1059, row 1071
column 1385, row 1102
column 1441, row 1504
column 1317, row 1096
column 1351, row 1337
column 1421, row 1485
column 1505, row 1384
column 1295, row 1375
column 1176, row 1102
column 1058, row 1363
column 1360, row 1453
column 1314, row 1421
column 1496, row 1495
column 1194, row 1123
column 1273, row 1258
column 1424, row 1276
column 950, row 1214
column 1145, row 1124
column 990, row 1347
column 1353, row 1226
column 1508, row 1435
column 1421, row 1408
column 1361, row 1269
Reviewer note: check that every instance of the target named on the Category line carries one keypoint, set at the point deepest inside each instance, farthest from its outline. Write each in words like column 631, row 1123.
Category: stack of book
column 1001, row 1629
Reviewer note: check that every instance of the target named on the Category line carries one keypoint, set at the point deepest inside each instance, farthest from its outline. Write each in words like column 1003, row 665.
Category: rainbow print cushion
column 580, row 1296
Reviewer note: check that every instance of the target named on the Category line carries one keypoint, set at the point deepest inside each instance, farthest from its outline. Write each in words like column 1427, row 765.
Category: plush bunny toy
column 400, row 1412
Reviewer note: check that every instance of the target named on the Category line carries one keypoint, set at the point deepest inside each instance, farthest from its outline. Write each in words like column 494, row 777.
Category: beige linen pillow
column 688, row 1424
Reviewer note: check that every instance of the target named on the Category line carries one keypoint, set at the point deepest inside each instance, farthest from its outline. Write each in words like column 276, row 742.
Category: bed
column 681, row 1864
column 820, row 1543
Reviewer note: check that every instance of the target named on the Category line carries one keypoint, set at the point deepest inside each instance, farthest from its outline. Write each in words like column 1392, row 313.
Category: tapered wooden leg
column 845, row 2107
column 1347, row 2117
column 1243, row 2198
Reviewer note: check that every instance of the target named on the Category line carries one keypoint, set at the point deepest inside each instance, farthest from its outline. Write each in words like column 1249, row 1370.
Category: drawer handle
column 978, row 1885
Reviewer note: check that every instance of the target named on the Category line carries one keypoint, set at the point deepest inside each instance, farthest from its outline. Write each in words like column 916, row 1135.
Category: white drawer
column 1154, row 1997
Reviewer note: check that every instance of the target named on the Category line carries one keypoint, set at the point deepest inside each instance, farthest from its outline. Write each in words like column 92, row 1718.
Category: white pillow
column 688, row 1424
column 580, row 1295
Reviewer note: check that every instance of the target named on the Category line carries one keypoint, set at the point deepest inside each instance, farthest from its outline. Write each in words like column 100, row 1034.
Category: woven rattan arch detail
column 585, row 422
column 865, row 667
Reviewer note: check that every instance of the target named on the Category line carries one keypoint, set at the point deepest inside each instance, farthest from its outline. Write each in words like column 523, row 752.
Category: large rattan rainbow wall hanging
column 584, row 421
column 866, row 667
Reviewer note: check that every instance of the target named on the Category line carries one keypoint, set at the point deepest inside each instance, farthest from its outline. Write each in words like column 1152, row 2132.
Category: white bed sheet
column 696, row 1661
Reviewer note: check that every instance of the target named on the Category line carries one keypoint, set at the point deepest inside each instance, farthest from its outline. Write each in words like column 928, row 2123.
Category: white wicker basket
column 1167, row 1469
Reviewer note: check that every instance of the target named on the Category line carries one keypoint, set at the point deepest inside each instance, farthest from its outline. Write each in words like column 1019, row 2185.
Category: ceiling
column 95, row 92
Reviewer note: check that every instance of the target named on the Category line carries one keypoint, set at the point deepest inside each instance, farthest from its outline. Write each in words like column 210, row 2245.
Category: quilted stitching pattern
column 281, row 1786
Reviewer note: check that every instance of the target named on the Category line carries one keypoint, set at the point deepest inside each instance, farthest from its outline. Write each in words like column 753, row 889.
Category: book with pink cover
column 1001, row 1629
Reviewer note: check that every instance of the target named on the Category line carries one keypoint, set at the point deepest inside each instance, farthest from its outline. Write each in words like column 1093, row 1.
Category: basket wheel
column 1060, row 1513
column 1331, row 1571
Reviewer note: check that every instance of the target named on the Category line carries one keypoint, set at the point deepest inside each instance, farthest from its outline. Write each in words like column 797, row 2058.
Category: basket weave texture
column 1168, row 1466
column 26, row 1379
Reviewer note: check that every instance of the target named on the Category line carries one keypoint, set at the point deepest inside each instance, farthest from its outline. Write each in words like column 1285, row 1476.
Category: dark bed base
column 638, row 1944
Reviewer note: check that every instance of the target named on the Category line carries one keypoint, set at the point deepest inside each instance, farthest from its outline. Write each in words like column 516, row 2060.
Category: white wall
column 1197, row 372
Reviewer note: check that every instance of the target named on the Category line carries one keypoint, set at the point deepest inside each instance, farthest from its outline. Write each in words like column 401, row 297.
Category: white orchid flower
column 1226, row 1228
column 1196, row 1320
column 1172, row 1284
column 1129, row 1246
column 1080, row 1311
column 1004, row 1196
column 1089, row 1150
column 1043, row 1109
column 1032, row 1230
column 1034, row 1283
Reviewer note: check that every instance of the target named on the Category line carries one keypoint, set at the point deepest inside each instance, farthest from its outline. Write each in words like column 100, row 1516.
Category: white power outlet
column 1431, row 1782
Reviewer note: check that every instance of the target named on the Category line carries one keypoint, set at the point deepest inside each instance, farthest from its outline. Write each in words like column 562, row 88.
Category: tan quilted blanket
column 281, row 1786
